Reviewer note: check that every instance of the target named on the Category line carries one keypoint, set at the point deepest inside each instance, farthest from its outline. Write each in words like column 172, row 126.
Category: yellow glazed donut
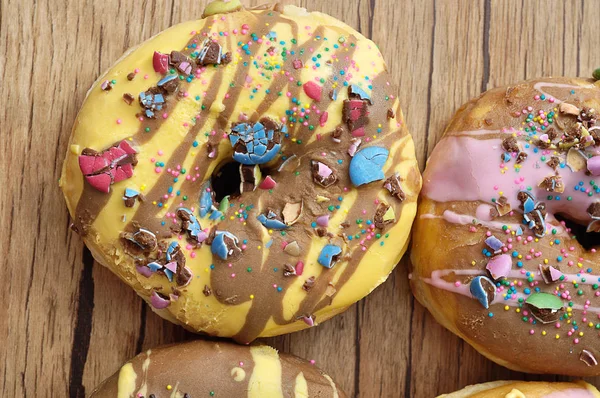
column 526, row 389
column 248, row 174
column 504, row 243
column 207, row 369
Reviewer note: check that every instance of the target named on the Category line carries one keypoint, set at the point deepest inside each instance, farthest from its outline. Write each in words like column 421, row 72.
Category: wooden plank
column 69, row 322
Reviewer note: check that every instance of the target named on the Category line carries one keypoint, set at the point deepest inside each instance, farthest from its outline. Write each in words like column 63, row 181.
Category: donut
column 248, row 174
column 526, row 389
column 503, row 251
column 217, row 369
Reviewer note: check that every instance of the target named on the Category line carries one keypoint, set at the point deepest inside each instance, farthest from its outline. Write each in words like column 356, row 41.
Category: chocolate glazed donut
column 248, row 174
column 504, row 250
column 206, row 369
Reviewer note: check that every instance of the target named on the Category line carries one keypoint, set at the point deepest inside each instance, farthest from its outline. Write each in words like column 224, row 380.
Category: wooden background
column 66, row 322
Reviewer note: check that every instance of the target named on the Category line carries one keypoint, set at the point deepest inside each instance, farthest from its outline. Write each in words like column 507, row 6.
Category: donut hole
column 588, row 240
column 226, row 180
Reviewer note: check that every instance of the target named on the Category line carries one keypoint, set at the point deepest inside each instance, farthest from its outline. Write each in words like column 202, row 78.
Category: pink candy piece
column 267, row 183
column 359, row 132
column 142, row 269
column 499, row 266
column 297, row 64
column 323, row 221
column 100, row 181
column 309, row 320
column 324, row 170
column 323, row 119
column 160, row 62
column 158, row 302
column 299, row 268
column 92, row 164
column 172, row 266
column 313, row 90
column 593, row 165
column 554, row 273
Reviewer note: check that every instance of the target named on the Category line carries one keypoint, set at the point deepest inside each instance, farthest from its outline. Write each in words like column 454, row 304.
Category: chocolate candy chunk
column 130, row 196
column 392, row 184
column 337, row 134
column 225, row 245
column 190, row 223
column 128, row 98
column 588, row 358
column 106, row 85
column 483, row 289
column 553, row 162
column 212, row 54
column 521, row 157
column 102, row 169
column 292, row 212
column 594, row 210
column 552, row 184
column 130, row 76
column 139, row 241
column 249, row 177
column 289, row 270
column 309, row 283
column 549, row 273
column 297, row 64
column 152, row 100
column 256, row 143
column 545, row 307
column 322, row 174
column 391, row 114
column 357, row 92
column 384, row 215
column 181, row 62
column 169, row 83
column 355, row 114
column 206, row 291
column 510, row 144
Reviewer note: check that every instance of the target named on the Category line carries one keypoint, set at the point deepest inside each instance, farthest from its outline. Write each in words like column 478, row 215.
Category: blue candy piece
column 366, row 165
column 358, row 91
column 483, row 289
column 270, row 221
column 171, row 250
column 215, row 215
column 328, row 256
column 169, row 274
column 494, row 243
column 251, row 143
column 506, row 157
column 154, row 266
column 519, row 231
column 219, row 246
column 131, row 193
column 206, row 202
column 529, row 205
column 166, row 79
column 334, row 95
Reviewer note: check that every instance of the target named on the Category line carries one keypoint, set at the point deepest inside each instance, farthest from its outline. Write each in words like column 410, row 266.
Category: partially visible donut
column 526, row 389
column 291, row 114
column 490, row 259
column 210, row 369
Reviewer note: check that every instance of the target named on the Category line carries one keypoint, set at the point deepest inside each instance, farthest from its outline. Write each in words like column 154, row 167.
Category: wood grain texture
column 67, row 322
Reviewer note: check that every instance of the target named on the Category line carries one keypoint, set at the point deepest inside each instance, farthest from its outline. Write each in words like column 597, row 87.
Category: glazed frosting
column 491, row 257
column 329, row 178
column 202, row 368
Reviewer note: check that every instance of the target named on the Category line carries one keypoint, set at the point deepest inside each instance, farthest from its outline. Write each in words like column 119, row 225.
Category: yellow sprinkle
column 580, row 334
column 143, row 187
column 232, row 218
column 545, row 261
column 518, row 310
column 473, row 262
column 169, row 387
column 501, row 193
column 252, row 296
column 590, row 324
column 154, row 202
column 205, row 269
column 259, row 247
column 543, row 332
column 569, row 309
column 520, row 256
column 557, row 337
column 506, row 308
